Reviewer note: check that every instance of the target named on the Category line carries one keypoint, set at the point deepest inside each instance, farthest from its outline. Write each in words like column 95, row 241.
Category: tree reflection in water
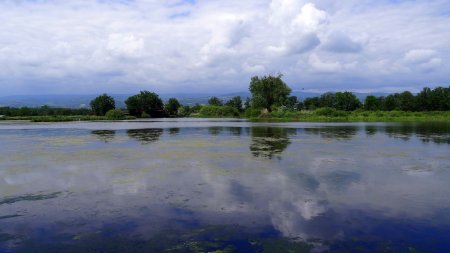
column 270, row 141
column 215, row 130
column 235, row 131
column 145, row 136
column 104, row 135
column 431, row 132
column 174, row 131
column 340, row 132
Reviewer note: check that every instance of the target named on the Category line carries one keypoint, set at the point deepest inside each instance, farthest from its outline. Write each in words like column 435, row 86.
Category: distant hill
column 79, row 101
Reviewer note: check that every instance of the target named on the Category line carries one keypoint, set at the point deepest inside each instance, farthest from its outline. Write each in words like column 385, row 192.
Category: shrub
column 115, row 114
column 252, row 112
column 218, row 111
column 330, row 112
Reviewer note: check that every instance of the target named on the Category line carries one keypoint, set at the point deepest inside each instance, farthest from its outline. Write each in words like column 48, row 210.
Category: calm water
column 224, row 186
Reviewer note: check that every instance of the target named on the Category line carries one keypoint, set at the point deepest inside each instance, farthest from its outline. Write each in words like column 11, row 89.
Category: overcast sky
column 215, row 46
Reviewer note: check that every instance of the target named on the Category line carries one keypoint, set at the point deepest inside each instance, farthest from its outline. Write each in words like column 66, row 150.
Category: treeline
column 437, row 99
column 148, row 104
column 43, row 111
column 270, row 95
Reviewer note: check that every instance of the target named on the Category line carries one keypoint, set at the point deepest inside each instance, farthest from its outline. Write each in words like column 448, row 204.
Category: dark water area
column 224, row 186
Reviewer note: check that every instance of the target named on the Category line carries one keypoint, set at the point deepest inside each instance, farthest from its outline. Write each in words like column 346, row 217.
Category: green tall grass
column 333, row 115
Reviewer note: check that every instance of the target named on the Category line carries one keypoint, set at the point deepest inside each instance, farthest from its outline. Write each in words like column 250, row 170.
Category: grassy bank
column 60, row 118
column 329, row 115
column 319, row 115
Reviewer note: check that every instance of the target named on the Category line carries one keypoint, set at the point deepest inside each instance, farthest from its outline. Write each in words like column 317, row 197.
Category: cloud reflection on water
column 319, row 188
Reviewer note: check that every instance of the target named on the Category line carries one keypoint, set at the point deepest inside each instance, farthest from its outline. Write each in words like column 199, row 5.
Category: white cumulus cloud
column 126, row 46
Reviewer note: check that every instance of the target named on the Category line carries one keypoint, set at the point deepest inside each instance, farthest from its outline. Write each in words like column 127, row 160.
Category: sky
column 216, row 46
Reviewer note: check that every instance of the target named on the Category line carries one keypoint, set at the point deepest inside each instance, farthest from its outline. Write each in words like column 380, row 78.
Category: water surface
column 224, row 186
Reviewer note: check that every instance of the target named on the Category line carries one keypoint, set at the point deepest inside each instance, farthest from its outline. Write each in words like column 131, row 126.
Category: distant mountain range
column 79, row 101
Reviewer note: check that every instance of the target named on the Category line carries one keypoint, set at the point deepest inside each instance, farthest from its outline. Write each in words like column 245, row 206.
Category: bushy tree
column 391, row 102
column 407, row 101
column 115, row 114
column 424, row 100
column 268, row 91
column 440, row 98
column 292, row 103
column 437, row 99
column 102, row 104
column 347, row 101
column 184, row 111
column 145, row 102
column 215, row 101
column 371, row 103
column 235, row 102
column 247, row 103
column 311, row 103
column 196, row 108
column 218, row 111
column 172, row 107
column 328, row 99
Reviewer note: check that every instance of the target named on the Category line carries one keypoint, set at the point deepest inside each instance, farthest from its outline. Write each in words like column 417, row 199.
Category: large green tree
column 311, row 103
column 215, row 101
column 347, row 101
column 292, row 102
column 145, row 102
column 407, row 101
column 172, row 107
column 235, row 102
column 371, row 103
column 102, row 104
column 328, row 99
column 392, row 102
column 268, row 91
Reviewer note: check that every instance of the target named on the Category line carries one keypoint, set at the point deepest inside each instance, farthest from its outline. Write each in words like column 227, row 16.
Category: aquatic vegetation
column 29, row 197
column 240, row 187
column 9, row 216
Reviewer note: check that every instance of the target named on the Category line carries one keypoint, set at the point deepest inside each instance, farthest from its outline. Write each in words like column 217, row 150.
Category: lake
column 196, row 185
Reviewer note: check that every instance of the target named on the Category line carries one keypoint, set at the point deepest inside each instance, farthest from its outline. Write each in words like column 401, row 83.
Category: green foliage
column 347, row 101
column 101, row 104
column 437, row 99
column 371, row 103
column 145, row 102
column 291, row 103
column 333, row 115
column 268, row 91
column 235, row 102
column 184, row 111
column 330, row 112
column 196, row 108
column 311, row 103
column 218, row 111
column 64, row 118
column 434, row 100
column 328, row 99
column 172, row 106
column 42, row 111
column 252, row 112
column 115, row 114
column 215, row 101
column 247, row 103
column 391, row 102
column 406, row 101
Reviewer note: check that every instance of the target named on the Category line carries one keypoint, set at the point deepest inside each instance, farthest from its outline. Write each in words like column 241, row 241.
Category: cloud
column 318, row 65
column 341, row 43
column 298, row 24
column 423, row 59
column 126, row 46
